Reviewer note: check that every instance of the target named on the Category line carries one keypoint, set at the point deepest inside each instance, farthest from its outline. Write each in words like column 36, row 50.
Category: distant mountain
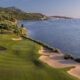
column 58, row 17
column 15, row 9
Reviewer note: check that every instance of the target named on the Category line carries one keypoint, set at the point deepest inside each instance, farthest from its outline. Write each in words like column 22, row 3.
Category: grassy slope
column 16, row 63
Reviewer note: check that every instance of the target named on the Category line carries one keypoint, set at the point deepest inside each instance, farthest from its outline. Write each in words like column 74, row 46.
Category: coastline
column 57, row 61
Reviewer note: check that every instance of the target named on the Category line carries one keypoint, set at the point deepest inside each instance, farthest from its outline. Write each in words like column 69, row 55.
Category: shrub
column 10, row 27
column 69, row 56
column 58, row 51
column 7, row 25
column 40, row 43
column 77, row 60
column 37, row 63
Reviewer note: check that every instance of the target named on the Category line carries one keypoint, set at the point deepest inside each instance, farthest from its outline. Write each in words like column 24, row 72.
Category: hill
column 15, row 14
column 7, row 26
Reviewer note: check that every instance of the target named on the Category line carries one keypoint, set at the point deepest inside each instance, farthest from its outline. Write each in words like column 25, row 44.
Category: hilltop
column 15, row 9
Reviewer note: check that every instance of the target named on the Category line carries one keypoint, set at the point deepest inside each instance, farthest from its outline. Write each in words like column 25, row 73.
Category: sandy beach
column 16, row 39
column 57, row 60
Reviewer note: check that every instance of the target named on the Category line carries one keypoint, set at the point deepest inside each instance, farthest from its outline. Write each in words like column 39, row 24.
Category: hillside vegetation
column 13, row 14
column 7, row 26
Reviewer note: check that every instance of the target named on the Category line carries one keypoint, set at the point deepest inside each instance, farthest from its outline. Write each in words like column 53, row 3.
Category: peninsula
column 58, row 17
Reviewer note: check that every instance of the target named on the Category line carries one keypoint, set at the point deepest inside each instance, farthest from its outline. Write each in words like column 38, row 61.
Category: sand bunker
column 57, row 60
column 17, row 39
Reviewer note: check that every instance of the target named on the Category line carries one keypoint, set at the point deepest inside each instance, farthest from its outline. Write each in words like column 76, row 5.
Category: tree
column 22, row 25
column 23, row 30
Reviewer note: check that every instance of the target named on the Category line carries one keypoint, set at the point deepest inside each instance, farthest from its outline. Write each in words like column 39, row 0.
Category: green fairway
column 20, row 62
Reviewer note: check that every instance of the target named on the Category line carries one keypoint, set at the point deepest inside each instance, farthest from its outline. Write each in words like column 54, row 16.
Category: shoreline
column 57, row 61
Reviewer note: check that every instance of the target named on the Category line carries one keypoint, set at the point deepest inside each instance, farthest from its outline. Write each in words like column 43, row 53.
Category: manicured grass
column 20, row 62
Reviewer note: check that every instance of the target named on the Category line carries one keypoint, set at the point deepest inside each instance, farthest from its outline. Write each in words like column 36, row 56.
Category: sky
column 70, row 8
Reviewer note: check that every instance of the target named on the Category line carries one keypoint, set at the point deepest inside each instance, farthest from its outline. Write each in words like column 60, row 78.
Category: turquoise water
column 62, row 34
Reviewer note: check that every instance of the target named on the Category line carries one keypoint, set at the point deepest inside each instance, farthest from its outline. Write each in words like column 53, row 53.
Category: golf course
column 20, row 54
column 19, row 60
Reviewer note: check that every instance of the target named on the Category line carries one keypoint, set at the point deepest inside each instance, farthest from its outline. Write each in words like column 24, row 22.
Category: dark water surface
column 62, row 34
